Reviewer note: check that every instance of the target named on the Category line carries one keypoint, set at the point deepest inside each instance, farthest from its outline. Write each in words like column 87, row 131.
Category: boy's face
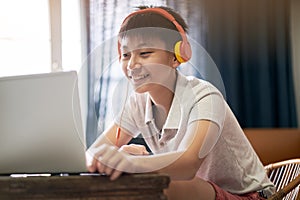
column 147, row 63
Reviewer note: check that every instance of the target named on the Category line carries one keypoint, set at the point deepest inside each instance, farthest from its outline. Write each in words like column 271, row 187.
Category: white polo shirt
column 231, row 162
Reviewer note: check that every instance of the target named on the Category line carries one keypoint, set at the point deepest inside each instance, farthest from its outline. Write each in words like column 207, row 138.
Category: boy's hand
column 110, row 160
column 135, row 149
column 113, row 161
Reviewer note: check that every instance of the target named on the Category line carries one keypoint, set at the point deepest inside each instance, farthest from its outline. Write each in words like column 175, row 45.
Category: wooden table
column 147, row 186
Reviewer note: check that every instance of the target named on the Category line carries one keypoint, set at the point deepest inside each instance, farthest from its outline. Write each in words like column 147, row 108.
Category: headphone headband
column 182, row 48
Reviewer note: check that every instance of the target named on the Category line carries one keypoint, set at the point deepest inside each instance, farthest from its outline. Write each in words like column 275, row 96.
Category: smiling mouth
column 138, row 77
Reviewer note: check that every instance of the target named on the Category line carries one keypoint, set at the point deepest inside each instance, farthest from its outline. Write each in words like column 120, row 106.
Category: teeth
column 139, row 77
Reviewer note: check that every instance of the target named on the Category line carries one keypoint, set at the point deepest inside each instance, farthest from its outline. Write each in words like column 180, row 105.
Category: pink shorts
column 224, row 195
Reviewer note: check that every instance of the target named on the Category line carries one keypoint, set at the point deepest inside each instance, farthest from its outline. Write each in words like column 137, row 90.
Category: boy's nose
column 133, row 63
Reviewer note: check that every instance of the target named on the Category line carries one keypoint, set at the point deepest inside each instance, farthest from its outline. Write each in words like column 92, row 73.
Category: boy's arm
column 108, row 137
column 180, row 165
column 199, row 145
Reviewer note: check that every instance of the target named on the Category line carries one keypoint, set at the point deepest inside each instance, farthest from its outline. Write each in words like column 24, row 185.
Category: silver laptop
column 41, row 130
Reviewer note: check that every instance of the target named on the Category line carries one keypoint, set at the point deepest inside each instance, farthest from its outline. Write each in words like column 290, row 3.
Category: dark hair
column 154, row 20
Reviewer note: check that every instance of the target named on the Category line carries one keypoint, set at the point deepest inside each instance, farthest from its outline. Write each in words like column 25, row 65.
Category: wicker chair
column 286, row 177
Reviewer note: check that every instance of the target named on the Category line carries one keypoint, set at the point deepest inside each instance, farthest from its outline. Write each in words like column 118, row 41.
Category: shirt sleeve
column 210, row 107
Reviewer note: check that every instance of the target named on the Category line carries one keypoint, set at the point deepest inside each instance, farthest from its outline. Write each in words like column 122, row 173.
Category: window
column 26, row 40
column 24, row 37
column 71, row 37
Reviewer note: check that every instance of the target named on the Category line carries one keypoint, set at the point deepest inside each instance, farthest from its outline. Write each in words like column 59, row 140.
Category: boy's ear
column 175, row 63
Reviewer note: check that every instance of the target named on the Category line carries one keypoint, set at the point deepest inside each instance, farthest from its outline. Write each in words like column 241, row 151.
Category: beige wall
column 295, row 34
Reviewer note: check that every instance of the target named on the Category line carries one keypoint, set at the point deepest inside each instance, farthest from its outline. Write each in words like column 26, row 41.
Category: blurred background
column 251, row 51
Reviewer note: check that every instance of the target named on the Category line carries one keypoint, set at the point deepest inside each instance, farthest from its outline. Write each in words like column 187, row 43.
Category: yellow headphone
column 182, row 49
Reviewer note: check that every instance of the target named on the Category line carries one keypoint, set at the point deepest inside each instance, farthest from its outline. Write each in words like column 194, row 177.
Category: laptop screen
column 41, row 129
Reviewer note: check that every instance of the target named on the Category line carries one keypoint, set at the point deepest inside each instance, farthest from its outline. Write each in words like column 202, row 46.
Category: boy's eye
column 145, row 53
column 125, row 55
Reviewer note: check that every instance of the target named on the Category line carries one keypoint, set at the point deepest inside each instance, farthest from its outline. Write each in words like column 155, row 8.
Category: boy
column 190, row 129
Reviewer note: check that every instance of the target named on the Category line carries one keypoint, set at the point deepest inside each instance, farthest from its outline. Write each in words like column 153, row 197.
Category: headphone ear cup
column 183, row 51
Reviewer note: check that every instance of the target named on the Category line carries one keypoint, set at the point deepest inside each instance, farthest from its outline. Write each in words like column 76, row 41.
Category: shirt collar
column 174, row 116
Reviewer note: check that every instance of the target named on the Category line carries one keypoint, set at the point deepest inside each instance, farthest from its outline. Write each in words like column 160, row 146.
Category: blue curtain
column 254, row 58
column 249, row 42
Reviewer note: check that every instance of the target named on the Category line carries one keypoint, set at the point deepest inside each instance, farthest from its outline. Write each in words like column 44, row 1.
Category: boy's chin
column 142, row 88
